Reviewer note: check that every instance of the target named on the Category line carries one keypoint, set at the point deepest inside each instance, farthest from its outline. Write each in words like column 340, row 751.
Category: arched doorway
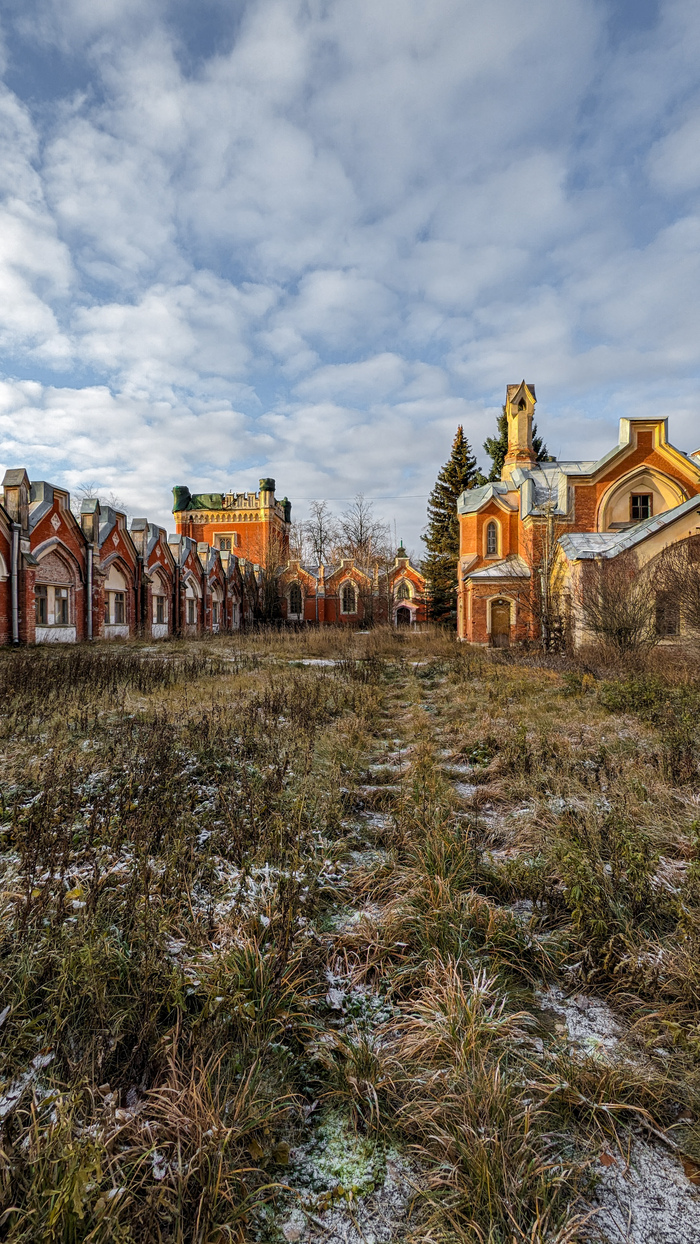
column 500, row 623
column 403, row 616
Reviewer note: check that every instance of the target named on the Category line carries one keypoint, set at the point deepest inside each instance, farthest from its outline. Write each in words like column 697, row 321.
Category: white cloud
column 341, row 235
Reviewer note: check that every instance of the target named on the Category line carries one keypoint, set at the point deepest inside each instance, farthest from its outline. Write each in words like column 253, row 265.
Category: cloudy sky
column 307, row 238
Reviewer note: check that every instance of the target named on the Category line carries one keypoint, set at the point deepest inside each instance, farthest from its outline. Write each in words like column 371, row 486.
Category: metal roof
column 588, row 544
column 510, row 568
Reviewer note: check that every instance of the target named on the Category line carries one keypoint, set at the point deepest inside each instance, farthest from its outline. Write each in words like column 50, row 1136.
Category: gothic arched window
column 403, row 592
column 295, row 599
column 348, row 599
column 491, row 539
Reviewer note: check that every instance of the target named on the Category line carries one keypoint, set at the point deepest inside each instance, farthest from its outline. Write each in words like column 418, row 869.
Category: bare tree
column 546, row 604
column 270, row 564
column 298, row 542
column 362, row 536
column 88, row 492
column 320, row 531
column 617, row 603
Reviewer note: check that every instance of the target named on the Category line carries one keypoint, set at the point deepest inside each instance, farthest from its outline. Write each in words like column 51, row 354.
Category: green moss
column 339, row 1162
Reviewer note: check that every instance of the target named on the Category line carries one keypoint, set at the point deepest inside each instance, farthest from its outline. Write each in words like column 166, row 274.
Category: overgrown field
column 346, row 937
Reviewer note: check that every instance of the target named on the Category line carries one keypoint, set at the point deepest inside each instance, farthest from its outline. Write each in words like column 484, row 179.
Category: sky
column 243, row 238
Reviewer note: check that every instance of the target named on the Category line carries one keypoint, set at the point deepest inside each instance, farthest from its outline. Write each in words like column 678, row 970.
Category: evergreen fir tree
column 497, row 446
column 442, row 536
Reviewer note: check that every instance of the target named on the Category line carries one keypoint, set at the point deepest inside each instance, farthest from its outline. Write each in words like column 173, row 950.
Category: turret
column 520, row 409
column 267, row 493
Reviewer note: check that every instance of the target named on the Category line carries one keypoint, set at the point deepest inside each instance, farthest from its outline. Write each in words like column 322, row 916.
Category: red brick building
column 64, row 580
column 351, row 595
column 252, row 525
column 511, row 530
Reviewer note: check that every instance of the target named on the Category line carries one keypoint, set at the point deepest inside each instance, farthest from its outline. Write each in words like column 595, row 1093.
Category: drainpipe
column 15, row 582
column 89, row 591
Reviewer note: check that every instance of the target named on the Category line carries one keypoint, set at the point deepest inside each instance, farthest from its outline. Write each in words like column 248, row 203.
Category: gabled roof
column 40, row 501
column 14, row 477
column 474, row 499
column 510, row 568
column 588, row 544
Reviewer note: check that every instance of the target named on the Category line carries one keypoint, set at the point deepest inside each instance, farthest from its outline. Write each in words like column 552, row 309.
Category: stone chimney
column 90, row 520
column 138, row 532
column 16, row 492
column 520, row 409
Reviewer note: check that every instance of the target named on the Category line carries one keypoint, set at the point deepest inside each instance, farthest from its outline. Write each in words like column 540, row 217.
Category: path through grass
column 344, row 937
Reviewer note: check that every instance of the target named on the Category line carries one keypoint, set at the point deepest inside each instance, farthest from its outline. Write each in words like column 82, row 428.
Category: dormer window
column 492, row 539
column 640, row 506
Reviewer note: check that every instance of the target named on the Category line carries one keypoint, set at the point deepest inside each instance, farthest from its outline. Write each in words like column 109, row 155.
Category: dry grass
column 241, row 889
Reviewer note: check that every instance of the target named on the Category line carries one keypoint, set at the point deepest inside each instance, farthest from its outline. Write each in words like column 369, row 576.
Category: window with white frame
column 403, row 591
column 51, row 605
column 115, row 598
column 60, row 606
column 191, row 598
column 295, row 602
column 348, row 598
column 492, row 539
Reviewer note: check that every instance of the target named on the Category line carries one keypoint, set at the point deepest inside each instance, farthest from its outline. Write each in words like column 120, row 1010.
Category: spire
column 520, row 408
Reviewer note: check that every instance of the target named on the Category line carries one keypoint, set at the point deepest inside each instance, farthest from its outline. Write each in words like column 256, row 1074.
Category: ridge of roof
column 472, row 499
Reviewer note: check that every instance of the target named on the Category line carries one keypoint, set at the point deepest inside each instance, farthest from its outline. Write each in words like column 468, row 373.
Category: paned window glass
column 42, row 605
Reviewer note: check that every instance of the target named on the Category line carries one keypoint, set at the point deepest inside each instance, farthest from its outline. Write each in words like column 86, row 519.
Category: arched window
column 115, row 597
column 160, row 601
column 348, row 599
column 491, row 539
column 403, row 592
column 295, row 599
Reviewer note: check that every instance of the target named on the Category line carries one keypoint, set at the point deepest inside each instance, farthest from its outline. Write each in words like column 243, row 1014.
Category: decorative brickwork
column 510, row 530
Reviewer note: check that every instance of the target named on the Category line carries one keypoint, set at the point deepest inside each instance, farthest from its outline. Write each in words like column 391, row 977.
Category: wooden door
column 403, row 616
column 500, row 624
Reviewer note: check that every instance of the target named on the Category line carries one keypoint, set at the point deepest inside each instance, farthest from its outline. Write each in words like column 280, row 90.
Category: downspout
column 89, row 591
column 15, row 582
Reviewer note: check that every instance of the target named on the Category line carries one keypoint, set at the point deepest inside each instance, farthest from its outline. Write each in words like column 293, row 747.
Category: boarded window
column 668, row 615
